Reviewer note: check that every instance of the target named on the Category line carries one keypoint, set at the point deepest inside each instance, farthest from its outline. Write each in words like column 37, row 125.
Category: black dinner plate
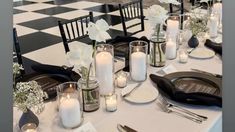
column 47, row 81
column 195, row 82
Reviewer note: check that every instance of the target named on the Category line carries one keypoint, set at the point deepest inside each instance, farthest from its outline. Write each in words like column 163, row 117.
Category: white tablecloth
column 142, row 117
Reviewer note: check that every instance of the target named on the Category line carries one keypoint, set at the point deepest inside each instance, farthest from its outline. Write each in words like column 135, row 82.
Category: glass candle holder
column 171, row 48
column 121, row 80
column 104, row 67
column 217, row 8
column 70, row 104
column 29, row 127
column 213, row 25
column 183, row 56
column 173, row 24
column 111, row 102
column 138, row 60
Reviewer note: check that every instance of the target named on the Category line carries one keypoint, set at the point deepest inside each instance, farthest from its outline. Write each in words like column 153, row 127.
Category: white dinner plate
column 146, row 93
column 202, row 53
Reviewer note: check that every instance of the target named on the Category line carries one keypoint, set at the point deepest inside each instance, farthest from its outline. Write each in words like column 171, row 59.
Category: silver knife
column 201, row 71
column 125, row 128
column 138, row 85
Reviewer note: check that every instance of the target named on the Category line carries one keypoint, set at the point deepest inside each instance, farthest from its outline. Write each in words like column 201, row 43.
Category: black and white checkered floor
column 36, row 21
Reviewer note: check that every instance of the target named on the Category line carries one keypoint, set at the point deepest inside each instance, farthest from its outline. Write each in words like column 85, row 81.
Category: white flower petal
column 204, row 1
column 175, row 2
column 92, row 31
column 102, row 25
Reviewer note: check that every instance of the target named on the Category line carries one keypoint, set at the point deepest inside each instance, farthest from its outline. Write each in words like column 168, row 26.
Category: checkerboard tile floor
column 36, row 21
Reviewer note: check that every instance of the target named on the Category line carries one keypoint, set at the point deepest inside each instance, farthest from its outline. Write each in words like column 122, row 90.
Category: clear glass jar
column 138, row 60
column 157, row 51
column 90, row 94
column 104, row 68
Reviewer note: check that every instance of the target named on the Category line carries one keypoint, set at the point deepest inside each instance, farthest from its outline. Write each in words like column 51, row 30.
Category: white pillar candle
column 172, row 26
column 217, row 7
column 138, row 66
column 121, row 81
column 30, row 130
column 69, row 111
column 111, row 103
column 213, row 26
column 104, row 72
column 170, row 49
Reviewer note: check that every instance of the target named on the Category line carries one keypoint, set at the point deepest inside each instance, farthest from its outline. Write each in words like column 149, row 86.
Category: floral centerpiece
column 157, row 15
column 198, row 24
column 83, row 58
column 29, row 95
column 16, row 71
column 209, row 4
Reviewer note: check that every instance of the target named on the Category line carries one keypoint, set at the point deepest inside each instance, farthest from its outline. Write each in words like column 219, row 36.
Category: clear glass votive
column 29, row 127
column 183, row 56
column 69, row 104
column 121, row 79
column 111, row 102
column 138, row 60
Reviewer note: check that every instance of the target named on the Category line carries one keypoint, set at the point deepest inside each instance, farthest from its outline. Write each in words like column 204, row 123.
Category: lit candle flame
column 68, row 97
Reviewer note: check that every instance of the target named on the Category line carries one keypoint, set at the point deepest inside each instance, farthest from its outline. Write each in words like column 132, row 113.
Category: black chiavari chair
column 179, row 7
column 17, row 53
column 75, row 29
column 130, row 11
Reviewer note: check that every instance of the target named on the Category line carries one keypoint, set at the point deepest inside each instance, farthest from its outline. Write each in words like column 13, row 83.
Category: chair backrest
column 130, row 11
column 17, row 50
column 75, row 29
column 180, row 7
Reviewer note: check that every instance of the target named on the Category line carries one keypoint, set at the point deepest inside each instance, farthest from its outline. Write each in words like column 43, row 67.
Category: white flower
column 29, row 95
column 98, row 31
column 201, row 1
column 156, row 15
column 175, row 2
column 81, row 56
column 17, row 68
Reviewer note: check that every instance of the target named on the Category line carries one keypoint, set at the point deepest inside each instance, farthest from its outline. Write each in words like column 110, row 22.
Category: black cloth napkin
column 167, row 88
column 217, row 47
column 50, row 69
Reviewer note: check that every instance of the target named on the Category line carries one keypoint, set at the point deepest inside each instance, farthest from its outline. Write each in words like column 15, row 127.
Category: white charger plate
column 202, row 53
column 146, row 93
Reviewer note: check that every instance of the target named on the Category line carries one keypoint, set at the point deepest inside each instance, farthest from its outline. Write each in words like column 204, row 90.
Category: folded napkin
column 50, row 69
column 167, row 88
column 217, row 47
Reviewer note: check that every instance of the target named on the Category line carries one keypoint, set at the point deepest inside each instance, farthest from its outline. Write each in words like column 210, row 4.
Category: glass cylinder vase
column 104, row 67
column 157, row 51
column 70, row 104
column 173, row 24
column 138, row 60
column 90, row 93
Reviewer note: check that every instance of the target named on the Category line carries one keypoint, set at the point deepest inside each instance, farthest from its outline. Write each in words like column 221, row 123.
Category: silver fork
column 170, row 105
column 127, row 94
column 167, row 110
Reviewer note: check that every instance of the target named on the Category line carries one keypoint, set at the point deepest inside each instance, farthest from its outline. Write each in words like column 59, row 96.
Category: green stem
column 158, row 33
column 89, row 70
